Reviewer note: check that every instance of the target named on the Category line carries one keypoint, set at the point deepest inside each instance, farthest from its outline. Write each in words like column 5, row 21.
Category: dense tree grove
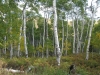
column 63, row 27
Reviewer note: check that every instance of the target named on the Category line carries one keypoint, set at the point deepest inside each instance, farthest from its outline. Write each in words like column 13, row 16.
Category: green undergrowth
column 48, row 66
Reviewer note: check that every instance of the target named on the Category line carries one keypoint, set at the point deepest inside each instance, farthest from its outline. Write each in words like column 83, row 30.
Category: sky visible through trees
column 98, row 10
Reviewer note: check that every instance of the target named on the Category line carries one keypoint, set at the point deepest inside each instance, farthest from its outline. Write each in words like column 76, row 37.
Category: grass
column 44, row 66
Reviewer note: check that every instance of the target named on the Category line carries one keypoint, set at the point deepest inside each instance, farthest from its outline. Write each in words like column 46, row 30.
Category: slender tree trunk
column 47, row 16
column 89, row 38
column 33, row 37
column 47, row 51
column 66, row 35
column 74, row 35
column 24, row 30
column 44, row 30
column 77, row 37
column 56, row 34
column 33, row 33
column 11, row 51
column 81, row 35
column 42, row 49
column 44, row 33
column 74, row 32
column 5, row 45
column 11, row 46
column 62, row 37
column 19, row 41
column 82, row 29
column 86, row 36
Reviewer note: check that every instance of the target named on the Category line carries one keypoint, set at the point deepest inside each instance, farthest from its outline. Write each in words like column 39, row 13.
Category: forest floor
column 48, row 66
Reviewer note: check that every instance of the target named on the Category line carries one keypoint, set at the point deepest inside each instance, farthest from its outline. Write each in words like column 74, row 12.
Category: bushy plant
column 82, row 72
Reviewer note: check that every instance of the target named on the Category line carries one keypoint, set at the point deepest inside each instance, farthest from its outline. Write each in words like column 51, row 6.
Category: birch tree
column 47, row 38
column 33, row 35
column 87, row 32
column 55, row 33
column 74, row 33
column 44, row 32
column 93, row 12
column 24, row 29
column 77, row 33
column 67, row 32
column 11, row 45
column 20, row 35
column 62, row 35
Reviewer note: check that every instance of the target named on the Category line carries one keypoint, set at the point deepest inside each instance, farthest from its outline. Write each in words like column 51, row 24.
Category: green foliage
column 1, row 45
column 88, row 67
column 67, row 45
column 82, row 72
column 40, row 48
column 96, row 36
column 16, row 63
column 44, row 66
column 10, row 17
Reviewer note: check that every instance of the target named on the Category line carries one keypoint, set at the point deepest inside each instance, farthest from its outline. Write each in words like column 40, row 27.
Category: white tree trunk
column 56, row 34
column 47, row 51
column 43, row 34
column 77, row 37
column 19, row 41
column 73, row 35
column 93, row 11
column 11, row 47
column 80, row 40
column 89, row 38
column 86, row 36
column 24, row 30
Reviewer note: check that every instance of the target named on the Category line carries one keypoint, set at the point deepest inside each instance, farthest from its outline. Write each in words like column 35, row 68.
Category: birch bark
column 77, row 31
column 73, row 35
column 56, row 33
column 81, row 35
column 93, row 10
column 11, row 46
column 24, row 30
column 86, row 36
column 19, row 41
column 89, row 38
